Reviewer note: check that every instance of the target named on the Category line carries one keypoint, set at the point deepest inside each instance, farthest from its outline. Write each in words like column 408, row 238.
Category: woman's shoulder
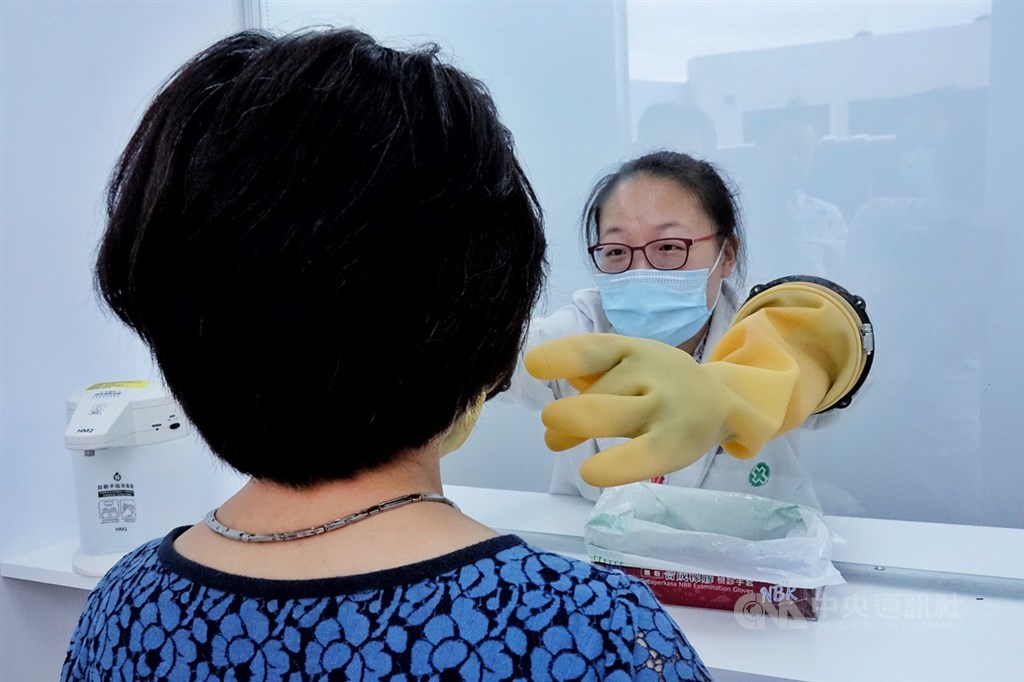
column 582, row 315
column 132, row 566
column 587, row 303
column 721, row 317
column 582, row 607
column 518, row 606
column 586, row 584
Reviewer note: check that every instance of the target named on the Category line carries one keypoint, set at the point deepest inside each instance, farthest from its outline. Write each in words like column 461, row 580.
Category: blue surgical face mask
column 670, row 306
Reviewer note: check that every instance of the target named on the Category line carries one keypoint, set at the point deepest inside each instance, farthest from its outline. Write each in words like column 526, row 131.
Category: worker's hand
column 657, row 395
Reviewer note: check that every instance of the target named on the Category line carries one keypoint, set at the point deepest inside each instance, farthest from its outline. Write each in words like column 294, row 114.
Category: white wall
column 75, row 77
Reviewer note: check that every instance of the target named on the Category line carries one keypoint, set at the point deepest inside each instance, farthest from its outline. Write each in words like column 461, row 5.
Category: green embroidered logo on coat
column 759, row 474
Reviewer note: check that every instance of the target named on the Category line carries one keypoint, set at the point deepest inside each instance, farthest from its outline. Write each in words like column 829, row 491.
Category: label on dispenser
column 118, row 384
column 116, row 501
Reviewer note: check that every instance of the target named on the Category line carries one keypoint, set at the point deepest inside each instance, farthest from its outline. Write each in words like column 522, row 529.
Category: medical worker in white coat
column 667, row 248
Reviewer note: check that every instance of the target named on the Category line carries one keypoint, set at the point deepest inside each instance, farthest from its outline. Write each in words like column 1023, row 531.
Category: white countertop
column 949, row 604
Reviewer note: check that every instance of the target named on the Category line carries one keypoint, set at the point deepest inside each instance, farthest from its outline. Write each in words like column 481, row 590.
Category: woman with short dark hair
column 332, row 251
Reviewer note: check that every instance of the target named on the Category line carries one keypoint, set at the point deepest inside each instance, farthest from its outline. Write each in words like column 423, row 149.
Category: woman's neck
column 387, row 540
column 690, row 345
column 268, row 507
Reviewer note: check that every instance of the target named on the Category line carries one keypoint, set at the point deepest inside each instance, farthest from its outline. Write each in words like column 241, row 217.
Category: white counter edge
column 941, row 548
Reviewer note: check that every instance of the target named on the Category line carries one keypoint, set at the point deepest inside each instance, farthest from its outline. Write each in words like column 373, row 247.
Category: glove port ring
column 856, row 304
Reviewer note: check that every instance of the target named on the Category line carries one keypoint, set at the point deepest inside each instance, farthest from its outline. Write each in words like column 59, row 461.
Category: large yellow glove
column 794, row 349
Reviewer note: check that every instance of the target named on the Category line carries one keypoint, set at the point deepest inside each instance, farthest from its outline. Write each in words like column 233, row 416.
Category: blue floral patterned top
column 498, row 610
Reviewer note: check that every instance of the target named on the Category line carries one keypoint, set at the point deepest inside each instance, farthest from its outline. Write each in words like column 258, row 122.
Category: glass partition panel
column 878, row 144
column 874, row 144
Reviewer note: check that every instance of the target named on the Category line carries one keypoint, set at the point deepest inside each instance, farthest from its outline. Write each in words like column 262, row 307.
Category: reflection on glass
column 859, row 138
column 792, row 230
column 674, row 125
column 935, row 303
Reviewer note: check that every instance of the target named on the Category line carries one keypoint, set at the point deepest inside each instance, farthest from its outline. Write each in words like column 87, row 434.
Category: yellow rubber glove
column 793, row 350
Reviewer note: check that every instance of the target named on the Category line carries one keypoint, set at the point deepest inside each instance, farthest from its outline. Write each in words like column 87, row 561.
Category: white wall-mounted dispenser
column 136, row 467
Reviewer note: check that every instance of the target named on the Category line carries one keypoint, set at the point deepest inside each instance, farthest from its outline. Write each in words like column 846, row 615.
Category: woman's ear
column 460, row 431
column 730, row 251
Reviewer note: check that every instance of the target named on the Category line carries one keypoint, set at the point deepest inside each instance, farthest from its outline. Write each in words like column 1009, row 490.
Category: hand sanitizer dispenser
column 136, row 474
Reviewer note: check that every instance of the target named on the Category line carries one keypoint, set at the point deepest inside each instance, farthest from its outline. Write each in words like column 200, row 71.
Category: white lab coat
column 785, row 477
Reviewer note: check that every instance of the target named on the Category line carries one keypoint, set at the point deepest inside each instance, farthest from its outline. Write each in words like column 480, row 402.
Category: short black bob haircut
column 328, row 245
column 712, row 188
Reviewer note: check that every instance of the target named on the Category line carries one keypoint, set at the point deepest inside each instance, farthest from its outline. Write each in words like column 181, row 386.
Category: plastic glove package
column 714, row 549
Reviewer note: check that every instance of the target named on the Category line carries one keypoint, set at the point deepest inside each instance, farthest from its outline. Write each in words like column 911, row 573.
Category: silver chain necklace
column 240, row 535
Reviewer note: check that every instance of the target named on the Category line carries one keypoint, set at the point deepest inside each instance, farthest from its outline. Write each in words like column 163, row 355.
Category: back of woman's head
column 328, row 245
column 701, row 178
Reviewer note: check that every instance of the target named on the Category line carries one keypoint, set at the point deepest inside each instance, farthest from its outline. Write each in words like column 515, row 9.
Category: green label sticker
column 759, row 474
